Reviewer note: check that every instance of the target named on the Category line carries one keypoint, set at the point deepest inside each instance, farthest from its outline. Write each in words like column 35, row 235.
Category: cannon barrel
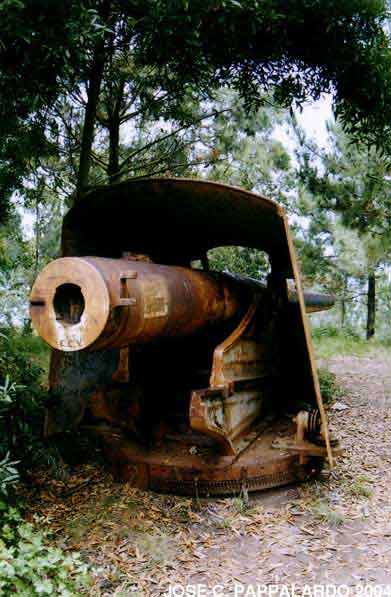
column 101, row 303
column 314, row 301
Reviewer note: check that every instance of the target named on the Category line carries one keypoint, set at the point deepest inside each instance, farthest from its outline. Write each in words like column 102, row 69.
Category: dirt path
column 333, row 531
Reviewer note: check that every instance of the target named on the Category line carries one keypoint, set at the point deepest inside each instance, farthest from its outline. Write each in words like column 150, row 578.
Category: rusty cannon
column 198, row 382
column 101, row 303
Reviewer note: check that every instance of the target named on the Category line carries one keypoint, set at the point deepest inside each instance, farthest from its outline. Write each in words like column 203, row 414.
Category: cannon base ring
column 172, row 468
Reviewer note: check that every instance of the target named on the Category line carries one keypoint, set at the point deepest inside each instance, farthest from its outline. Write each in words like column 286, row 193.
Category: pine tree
column 350, row 183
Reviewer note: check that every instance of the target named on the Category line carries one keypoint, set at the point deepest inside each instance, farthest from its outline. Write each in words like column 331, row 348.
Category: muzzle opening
column 69, row 304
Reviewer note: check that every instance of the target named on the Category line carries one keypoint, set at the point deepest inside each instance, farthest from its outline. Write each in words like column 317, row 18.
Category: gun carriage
column 199, row 382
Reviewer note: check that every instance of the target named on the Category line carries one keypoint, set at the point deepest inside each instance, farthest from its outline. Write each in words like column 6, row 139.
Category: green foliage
column 14, row 250
column 149, row 62
column 9, row 475
column 361, row 487
column 244, row 150
column 26, row 350
column 239, row 260
column 300, row 50
column 329, row 387
column 325, row 513
column 338, row 343
column 15, row 271
column 349, row 179
column 29, row 566
column 21, row 402
column 13, row 290
column 44, row 48
column 345, row 194
column 321, row 332
column 16, row 362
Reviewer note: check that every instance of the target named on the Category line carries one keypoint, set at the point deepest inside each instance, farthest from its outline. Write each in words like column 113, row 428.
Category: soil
column 336, row 530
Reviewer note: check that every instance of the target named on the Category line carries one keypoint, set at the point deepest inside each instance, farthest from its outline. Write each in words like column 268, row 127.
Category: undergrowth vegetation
column 329, row 342
column 22, row 401
column 329, row 386
column 29, row 565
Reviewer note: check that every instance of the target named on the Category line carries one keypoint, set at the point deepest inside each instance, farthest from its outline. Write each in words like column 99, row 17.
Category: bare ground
column 336, row 530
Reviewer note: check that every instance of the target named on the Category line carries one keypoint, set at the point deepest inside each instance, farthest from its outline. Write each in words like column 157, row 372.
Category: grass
column 361, row 487
column 240, row 505
column 323, row 512
column 329, row 342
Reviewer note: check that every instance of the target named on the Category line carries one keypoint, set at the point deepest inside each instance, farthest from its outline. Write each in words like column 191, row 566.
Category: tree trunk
column 343, row 312
column 93, row 92
column 113, row 167
column 37, row 238
column 114, row 124
column 90, row 118
column 371, row 305
column 343, row 301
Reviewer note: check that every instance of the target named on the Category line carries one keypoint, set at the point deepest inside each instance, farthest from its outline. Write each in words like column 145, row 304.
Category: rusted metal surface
column 187, row 375
column 241, row 367
column 173, row 221
column 314, row 301
column 99, row 303
column 190, row 468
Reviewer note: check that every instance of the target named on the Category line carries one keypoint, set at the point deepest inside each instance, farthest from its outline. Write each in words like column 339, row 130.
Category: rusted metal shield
column 174, row 221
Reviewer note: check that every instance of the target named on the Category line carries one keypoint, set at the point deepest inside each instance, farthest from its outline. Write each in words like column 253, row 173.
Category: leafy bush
column 324, row 332
column 24, row 346
column 329, row 387
column 9, row 475
column 22, row 399
column 29, row 566
column 329, row 331
column 18, row 360
column 239, row 260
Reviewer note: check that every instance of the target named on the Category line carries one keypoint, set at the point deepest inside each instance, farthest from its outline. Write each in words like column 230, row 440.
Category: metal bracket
column 123, row 300
column 304, row 447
